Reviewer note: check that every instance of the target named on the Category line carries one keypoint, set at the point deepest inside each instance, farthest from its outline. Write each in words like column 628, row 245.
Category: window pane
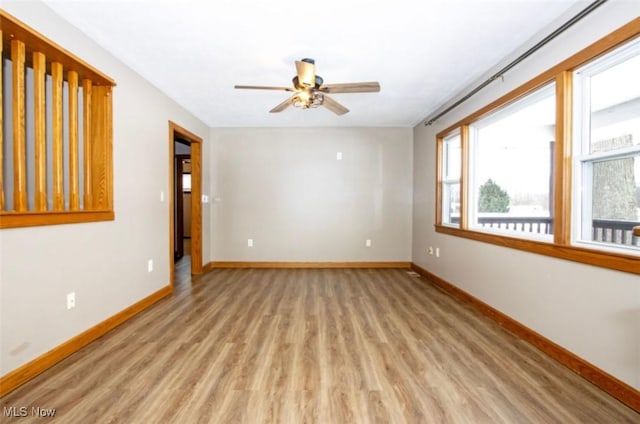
column 451, row 204
column 452, row 157
column 613, row 201
column 451, row 160
column 615, row 105
column 511, row 167
column 608, row 149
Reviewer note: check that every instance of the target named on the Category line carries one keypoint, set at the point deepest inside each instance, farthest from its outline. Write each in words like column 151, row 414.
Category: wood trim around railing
column 34, row 219
column 319, row 265
column 21, row 375
column 52, row 201
column 610, row 384
column 14, row 29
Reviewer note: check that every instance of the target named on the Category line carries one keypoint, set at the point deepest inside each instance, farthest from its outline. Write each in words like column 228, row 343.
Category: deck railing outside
column 615, row 231
column 603, row 230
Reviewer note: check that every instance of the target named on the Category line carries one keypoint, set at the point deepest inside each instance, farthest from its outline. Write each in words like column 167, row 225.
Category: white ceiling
column 422, row 52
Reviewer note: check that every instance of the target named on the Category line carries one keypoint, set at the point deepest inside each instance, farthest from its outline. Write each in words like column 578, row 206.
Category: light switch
column 339, row 156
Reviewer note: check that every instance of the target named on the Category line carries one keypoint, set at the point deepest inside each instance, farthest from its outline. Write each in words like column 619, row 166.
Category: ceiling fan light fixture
column 317, row 100
column 305, row 100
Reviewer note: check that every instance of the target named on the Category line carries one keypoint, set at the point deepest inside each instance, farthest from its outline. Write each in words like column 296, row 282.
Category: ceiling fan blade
column 352, row 87
column 306, row 73
column 334, row 106
column 263, row 87
column 282, row 106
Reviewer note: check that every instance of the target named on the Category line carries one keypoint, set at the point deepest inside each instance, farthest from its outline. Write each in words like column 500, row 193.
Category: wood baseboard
column 212, row 265
column 19, row 376
column 610, row 384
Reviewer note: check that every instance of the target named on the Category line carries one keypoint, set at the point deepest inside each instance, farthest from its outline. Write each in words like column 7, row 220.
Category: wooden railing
column 52, row 143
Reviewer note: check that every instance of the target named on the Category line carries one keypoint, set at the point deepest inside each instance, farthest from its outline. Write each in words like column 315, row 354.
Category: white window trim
column 582, row 162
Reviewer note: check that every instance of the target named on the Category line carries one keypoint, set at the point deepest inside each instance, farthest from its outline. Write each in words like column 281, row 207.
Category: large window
column 553, row 167
column 511, row 162
column 607, row 150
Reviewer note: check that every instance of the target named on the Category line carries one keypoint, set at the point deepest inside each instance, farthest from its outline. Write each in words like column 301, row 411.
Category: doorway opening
column 182, row 218
column 185, row 223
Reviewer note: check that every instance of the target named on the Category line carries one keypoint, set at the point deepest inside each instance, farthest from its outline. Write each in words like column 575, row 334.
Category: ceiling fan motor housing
column 296, row 83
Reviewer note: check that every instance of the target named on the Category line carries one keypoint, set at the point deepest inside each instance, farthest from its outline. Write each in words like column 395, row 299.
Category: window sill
column 33, row 219
column 616, row 261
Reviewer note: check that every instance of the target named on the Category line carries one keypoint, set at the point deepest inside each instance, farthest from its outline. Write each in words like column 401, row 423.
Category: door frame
column 176, row 131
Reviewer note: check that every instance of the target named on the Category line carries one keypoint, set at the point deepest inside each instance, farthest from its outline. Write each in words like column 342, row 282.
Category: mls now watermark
column 23, row 411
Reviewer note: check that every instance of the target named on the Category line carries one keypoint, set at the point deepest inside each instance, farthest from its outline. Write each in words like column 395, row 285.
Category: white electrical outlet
column 71, row 300
column 367, row 243
column 250, row 242
column 437, row 252
column 150, row 265
column 430, row 251
column 339, row 156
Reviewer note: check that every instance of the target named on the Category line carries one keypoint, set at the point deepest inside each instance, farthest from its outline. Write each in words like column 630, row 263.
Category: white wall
column 593, row 312
column 284, row 188
column 104, row 263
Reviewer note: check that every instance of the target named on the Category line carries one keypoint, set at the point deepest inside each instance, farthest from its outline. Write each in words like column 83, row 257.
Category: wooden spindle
column 1, row 132
column 86, row 140
column 19, row 148
column 74, row 196
column 39, row 115
column 58, row 181
column 101, row 147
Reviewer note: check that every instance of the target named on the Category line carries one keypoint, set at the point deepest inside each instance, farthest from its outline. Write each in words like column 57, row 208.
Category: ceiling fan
column 310, row 90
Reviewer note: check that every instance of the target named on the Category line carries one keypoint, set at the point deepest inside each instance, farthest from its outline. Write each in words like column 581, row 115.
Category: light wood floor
column 313, row 346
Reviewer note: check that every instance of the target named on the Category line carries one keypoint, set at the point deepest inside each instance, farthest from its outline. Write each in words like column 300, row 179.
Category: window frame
column 583, row 159
column 561, row 246
column 445, row 179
